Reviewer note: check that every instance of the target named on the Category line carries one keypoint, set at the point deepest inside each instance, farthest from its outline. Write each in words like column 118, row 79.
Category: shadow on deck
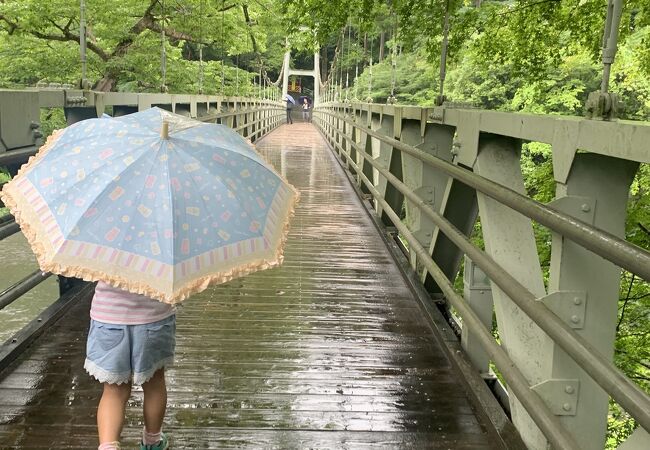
column 331, row 350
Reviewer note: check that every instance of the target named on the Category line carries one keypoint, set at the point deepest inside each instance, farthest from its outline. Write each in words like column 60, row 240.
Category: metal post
column 510, row 241
column 316, row 78
column 478, row 295
column 285, row 70
column 595, row 192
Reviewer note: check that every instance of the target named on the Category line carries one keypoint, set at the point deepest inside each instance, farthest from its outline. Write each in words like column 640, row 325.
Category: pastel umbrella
column 153, row 203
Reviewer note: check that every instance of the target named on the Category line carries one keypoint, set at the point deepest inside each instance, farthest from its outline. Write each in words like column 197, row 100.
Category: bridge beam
column 587, row 285
column 510, row 241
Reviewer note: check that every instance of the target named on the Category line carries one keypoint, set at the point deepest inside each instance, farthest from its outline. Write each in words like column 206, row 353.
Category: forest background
column 534, row 56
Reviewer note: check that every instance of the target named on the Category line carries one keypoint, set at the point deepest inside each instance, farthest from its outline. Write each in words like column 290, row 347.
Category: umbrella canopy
column 302, row 99
column 289, row 98
column 153, row 203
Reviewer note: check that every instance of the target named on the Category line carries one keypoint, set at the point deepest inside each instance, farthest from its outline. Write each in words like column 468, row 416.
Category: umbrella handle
column 164, row 131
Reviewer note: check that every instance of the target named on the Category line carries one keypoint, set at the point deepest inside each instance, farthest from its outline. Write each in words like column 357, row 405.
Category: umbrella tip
column 164, row 131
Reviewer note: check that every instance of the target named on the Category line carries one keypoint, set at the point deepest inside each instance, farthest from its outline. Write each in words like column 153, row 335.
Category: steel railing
column 250, row 122
column 341, row 129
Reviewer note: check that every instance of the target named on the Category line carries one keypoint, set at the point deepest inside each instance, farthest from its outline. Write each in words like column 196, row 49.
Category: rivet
column 585, row 207
column 569, row 389
column 575, row 319
column 566, row 407
column 577, row 300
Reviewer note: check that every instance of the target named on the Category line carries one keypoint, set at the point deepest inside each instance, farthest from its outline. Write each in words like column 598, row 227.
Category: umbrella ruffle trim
column 193, row 287
column 49, row 143
column 86, row 274
column 7, row 197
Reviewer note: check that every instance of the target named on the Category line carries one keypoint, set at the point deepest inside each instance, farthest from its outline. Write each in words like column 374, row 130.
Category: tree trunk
column 382, row 39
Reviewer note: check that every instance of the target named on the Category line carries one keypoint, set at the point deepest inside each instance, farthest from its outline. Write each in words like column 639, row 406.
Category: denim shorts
column 117, row 354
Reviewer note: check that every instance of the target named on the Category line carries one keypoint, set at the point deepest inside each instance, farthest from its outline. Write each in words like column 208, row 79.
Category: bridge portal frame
column 288, row 71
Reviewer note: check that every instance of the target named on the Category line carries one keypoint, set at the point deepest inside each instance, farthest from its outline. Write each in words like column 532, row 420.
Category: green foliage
column 52, row 119
column 4, row 177
column 40, row 43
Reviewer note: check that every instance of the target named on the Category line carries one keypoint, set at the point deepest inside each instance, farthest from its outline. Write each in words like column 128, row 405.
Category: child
column 131, row 339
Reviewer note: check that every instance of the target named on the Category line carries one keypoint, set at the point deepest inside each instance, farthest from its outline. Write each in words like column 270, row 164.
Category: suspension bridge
column 361, row 339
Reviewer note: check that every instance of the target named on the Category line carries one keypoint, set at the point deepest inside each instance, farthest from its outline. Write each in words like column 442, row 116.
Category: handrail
column 8, row 228
column 622, row 253
column 12, row 293
column 224, row 114
column 255, row 122
column 7, row 217
column 609, row 377
column 533, row 403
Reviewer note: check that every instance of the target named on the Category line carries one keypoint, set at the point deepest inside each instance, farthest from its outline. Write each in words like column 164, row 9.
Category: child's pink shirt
column 119, row 307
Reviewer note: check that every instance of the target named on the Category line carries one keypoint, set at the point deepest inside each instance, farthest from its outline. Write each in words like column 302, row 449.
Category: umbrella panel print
column 111, row 200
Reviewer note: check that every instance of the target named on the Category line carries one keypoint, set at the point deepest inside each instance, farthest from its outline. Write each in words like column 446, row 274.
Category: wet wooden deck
column 330, row 350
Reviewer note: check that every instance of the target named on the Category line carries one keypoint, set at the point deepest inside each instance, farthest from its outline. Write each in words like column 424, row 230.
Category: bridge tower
column 288, row 71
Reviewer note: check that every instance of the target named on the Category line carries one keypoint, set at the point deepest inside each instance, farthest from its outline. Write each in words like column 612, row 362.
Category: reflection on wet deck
column 328, row 351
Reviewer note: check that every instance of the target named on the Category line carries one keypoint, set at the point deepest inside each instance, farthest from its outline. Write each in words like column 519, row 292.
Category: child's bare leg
column 155, row 402
column 110, row 412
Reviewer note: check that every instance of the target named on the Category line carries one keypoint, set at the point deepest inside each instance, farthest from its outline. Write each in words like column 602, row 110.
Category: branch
column 644, row 228
column 66, row 36
column 527, row 5
column 627, row 299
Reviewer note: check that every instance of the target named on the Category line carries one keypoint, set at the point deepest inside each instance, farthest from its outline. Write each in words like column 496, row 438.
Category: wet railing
column 432, row 172
column 21, row 136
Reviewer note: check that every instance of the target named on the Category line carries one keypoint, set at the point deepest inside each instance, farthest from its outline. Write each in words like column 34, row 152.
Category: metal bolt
column 585, row 207
column 569, row 390
column 575, row 319
column 566, row 407
column 577, row 300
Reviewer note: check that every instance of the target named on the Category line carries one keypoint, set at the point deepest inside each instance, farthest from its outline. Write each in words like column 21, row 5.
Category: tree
column 124, row 38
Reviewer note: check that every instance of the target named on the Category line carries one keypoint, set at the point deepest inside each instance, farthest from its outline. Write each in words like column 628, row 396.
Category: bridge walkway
column 331, row 350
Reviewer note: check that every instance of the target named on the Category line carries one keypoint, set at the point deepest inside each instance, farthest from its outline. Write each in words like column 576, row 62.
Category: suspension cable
column 237, row 75
column 223, row 43
column 163, row 54
column 393, row 61
column 201, row 12
column 443, row 57
column 347, row 68
column 369, row 99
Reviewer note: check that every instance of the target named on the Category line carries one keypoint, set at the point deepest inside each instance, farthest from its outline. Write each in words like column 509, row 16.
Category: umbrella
column 153, row 203
column 302, row 99
column 289, row 98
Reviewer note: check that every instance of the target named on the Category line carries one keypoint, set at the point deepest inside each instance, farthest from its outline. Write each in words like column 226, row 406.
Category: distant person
column 305, row 110
column 289, row 105
column 131, row 340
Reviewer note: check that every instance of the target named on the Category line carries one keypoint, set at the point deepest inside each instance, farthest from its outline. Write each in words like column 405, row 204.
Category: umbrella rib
column 100, row 194
column 220, row 182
